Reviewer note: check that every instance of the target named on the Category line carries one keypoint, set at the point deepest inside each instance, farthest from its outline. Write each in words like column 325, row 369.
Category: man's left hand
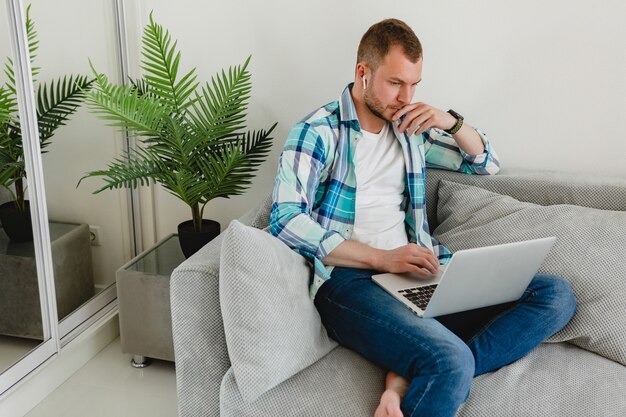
column 420, row 117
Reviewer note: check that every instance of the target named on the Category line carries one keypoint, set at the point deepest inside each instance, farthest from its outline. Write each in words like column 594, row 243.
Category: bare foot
column 389, row 405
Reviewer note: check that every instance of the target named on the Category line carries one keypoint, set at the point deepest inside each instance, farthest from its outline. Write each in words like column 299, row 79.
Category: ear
column 361, row 70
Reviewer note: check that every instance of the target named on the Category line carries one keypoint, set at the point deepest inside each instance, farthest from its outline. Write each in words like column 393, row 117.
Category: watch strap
column 457, row 126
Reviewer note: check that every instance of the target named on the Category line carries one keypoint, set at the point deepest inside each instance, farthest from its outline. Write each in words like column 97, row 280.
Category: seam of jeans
column 430, row 383
column 388, row 326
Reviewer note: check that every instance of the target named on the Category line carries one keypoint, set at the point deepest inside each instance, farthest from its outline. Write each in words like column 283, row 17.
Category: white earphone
column 364, row 83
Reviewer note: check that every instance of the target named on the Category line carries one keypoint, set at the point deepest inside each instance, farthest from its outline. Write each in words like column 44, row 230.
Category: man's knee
column 559, row 299
column 457, row 360
column 452, row 357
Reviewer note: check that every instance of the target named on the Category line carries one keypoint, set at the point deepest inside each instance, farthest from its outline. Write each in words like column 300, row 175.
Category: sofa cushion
column 555, row 379
column 272, row 328
column 589, row 253
column 341, row 384
column 344, row 384
column 259, row 216
column 541, row 187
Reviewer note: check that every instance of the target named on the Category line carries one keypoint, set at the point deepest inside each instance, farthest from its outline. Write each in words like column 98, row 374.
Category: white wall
column 545, row 80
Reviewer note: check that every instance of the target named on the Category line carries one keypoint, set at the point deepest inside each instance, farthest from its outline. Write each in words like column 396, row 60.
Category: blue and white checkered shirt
column 315, row 188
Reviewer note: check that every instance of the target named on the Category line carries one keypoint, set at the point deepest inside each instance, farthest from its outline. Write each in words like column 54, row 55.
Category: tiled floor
column 107, row 386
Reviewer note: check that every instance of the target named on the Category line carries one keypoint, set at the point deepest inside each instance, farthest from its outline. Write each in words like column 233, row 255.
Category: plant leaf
column 191, row 142
column 160, row 63
column 33, row 43
column 10, row 171
column 130, row 172
column 187, row 186
column 220, row 110
column 257, row 145
column 223, row 171
column 8, row 105
column 123, row 107
column 57, row 101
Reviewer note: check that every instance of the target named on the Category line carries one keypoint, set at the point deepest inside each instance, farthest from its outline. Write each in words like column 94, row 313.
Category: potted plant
column 56, row 101
column 190, row 139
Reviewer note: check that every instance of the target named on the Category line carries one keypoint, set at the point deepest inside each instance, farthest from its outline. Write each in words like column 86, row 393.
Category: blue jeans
column 439, row 357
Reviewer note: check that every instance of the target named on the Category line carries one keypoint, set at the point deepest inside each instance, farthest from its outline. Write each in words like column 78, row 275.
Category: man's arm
column 299, row 171
column 419, row 117
column 467, row 138
column 468, row 150
column 407, row 258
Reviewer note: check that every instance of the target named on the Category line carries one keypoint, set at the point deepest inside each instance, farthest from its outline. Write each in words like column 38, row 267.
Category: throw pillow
column 589, row 252
column 259, row 216
column 272, row 328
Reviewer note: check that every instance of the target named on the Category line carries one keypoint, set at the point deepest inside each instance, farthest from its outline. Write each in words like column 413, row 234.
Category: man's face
column 392, row 85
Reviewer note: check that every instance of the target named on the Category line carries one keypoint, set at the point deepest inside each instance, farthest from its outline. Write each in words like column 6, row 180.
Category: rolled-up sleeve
column 300, row 169
column 442, row 151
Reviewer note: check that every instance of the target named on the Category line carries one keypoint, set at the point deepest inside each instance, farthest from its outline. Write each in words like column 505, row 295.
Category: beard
column 375, row 105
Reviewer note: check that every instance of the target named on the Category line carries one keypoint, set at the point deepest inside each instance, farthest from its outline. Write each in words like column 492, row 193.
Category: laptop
column 473, row 278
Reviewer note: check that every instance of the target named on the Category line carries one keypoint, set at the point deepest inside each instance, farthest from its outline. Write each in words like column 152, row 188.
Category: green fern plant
column 56, row 102
column 191, row 139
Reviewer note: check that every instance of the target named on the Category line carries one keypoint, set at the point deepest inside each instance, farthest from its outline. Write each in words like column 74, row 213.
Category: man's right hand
column 408, row 258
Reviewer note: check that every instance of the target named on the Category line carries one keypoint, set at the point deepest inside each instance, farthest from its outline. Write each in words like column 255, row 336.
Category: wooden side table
column 143, row 294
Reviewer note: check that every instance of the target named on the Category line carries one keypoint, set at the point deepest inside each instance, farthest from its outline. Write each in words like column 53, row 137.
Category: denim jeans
column 439, row 356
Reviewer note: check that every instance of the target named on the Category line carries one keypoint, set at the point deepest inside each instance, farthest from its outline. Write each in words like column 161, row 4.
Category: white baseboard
column 40, row 383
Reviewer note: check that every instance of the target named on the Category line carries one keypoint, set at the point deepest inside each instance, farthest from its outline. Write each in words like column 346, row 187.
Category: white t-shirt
column 380, row 178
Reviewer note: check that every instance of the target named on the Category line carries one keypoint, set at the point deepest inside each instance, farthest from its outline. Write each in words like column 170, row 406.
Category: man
column 349, row 196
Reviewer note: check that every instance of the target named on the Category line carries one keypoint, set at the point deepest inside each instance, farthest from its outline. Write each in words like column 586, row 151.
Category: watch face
column 455, row 114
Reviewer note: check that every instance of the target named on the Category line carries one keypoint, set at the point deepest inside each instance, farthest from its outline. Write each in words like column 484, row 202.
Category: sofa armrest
column 197, row 327
column 198, row 332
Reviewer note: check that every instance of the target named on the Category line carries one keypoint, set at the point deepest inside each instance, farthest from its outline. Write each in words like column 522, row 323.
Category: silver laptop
column 473, row 278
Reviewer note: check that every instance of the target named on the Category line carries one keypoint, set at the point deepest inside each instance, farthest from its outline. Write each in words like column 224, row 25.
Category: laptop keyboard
column 420, row 296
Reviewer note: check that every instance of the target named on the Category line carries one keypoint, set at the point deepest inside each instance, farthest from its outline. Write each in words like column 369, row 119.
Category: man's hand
column 409, row 258
column 420, row 117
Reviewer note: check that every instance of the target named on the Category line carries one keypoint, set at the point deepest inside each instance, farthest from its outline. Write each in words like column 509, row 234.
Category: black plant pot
column 16, row 224
column 191, row 241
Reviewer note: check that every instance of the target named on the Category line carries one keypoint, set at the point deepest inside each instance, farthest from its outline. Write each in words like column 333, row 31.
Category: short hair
column 380, row 37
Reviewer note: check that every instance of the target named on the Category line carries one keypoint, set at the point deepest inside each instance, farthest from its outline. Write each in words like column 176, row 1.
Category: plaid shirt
column 315, row 188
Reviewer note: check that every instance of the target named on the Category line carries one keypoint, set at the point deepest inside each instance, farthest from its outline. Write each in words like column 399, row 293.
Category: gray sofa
column 580, row 371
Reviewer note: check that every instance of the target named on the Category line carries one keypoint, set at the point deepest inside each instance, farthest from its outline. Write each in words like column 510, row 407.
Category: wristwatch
column 459, row 122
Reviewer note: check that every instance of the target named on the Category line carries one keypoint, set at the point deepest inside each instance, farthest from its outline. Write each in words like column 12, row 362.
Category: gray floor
column 107, row 386
column 14, row 348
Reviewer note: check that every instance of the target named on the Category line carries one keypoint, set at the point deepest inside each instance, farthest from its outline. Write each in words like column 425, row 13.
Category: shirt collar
column 347, row 111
